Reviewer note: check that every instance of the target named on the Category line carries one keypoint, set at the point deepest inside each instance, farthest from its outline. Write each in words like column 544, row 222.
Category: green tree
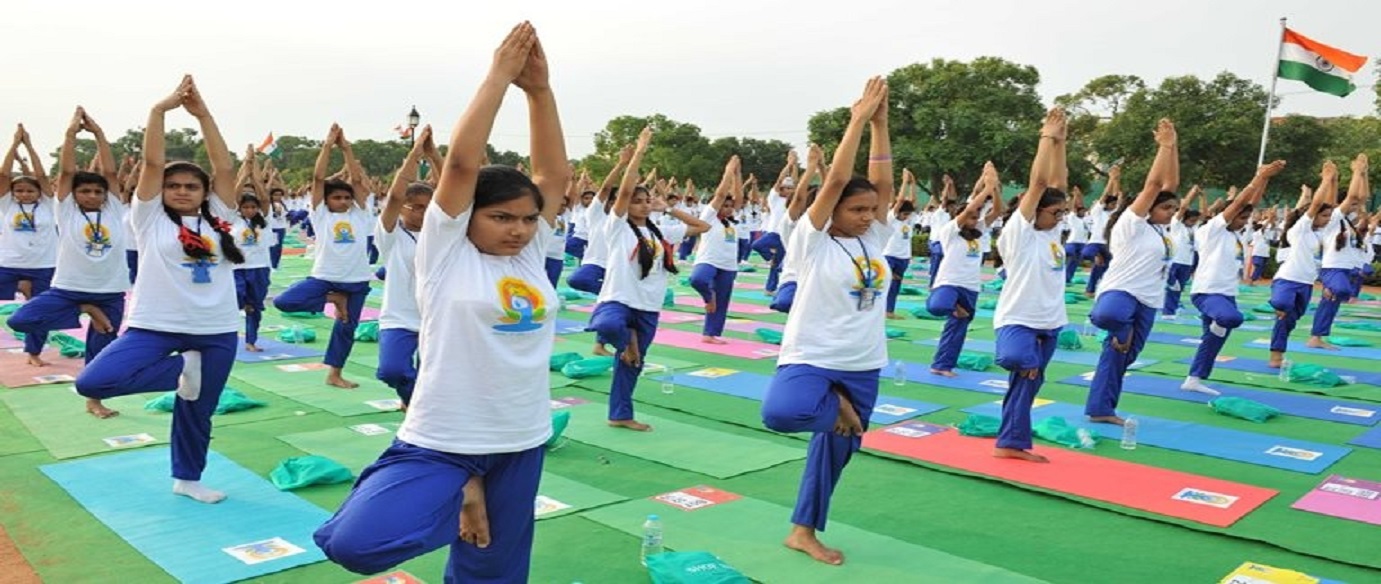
column 1349, row 137
column 1299, row 141
column 762, row 158
column 1097, row 102
column 678, row 149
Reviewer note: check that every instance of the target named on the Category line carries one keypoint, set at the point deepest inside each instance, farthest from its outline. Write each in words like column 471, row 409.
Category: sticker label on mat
column 58, row 378
column 545, row 505
column 398, row 577
column 371, row 429
column 386, row 405
column 129, row 440
column 567, row 402
column 1295, row 453
column 893, row 410
column 263, row 551
column 302, row 367
column 1202, row 497
column 915, row 430
column 698, row 497
column 1359, row 412
column 1035, row 403
column 713, row 372
column 1254, row 573
column 997, row 383
column 1368, row 490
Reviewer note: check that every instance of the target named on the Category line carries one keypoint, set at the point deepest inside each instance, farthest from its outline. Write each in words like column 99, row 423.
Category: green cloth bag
column 994, row 286
column 909, row 291
column 692, row 568
column 1314, row 375
column 1264, row 309
column 1366, row 297
column 231, row 401
column 747, row 269
column 980, row 425
column 1056, row 429
column 923, row 314
column 297, row 334
column 8, row 309
column 769, row 336
column 669, row 299
column 304, row 471
column 302, row 314
column 1358, row 326
column 68, row 346
column 587, row 367
column 559, row 420
column 559, row 360
column 367, row 332
column 1349, row 342
column 1248, row 316
column 1243, row 408
column 1079, row 280
column 974, row 361
column 987, row 304
column 1069, row 340
column 894, row 333
column 1074, row 298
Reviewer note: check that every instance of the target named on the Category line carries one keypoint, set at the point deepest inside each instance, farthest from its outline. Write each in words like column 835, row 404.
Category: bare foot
column 631, row 425
column 1277, row 357
column 474, row 515
column 334, row 378
column 1119, row 346
column 99, row 321
column 895, row 316
column 1019, row 455
column 96, row 408
column 631, row 356
column 253, row 348
column 848, row 423
column 713, row 340
column 338, row 300
column 943, row 373
column 1107, row 420
column 1088, row 294
column 25, row 287
column 601, row 350
column 960, row 313
column 802, row 539
column 710, row 307
column 36, row 361
column 1320, row 343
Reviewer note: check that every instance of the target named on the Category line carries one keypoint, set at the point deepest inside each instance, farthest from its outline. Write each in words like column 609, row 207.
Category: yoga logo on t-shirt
column 97, row 239
column 869, row 274
column 522, row 304
column 730, row 234
column 560, row 227
column 201, row 267
column 249, row 237
column 342, row 232
column 972, row 251
column 23, row 222
column 1057, row 257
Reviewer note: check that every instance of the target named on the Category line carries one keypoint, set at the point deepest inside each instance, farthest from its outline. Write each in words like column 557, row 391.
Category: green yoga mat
column 556, row 496
column 302, row 383
column 685, row 446
column 747, row 534
column 56, row 417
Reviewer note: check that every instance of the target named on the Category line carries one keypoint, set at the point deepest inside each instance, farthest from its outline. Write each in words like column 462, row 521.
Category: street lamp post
column 414, row 119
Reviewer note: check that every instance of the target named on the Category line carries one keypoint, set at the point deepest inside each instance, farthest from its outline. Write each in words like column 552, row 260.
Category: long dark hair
column 646, row 253
column 1294, row 215
column 192, row 244
column 1161, row 197
column 258, row 222
column 1348, row 227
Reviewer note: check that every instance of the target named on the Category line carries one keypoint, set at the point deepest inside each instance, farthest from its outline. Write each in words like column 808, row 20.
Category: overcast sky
column 747, row 67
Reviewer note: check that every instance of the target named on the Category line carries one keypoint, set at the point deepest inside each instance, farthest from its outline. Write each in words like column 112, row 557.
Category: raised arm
column 726, row 183
column 104, row 153
column 7, row 167
column 995, row 194
column 222, row 165
column 397, row 192
column 814, row 159
column 1254, row 190
column 615, row 174
column 841, row 171
column 1165, row 170
column 67, row 156
column 1327, row 193
column 1357, row 192
column 155, row 158
column 359, row 179
column 1044, row 168
column 788, row 171
column 1195, row 194
column 44, row 187
column 630, row 174
column 880, row 157
column 551, row 170
column 323, row 164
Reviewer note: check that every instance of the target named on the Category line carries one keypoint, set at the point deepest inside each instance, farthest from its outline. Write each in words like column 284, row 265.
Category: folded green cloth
column 1248, row 316
column 68, row 346
column 297, row 334
column 1243, row 408
column 692, row 568
column 1056, row 429
column 1311, row 374
column 994, row 286
column 231, row 401
column 974, row 361
column 559, row 420
column 669, row 299
column 909, row 291
column 1349, row 342
column 8, row 309
column 1264, row 309
column 367, row 332
column 923, row 314
column 1069, row 339
column 587, row 367
column 1359, row 326
column 1079, row 280
column 894, row 333
column 980, row 425
column 747, row 269
column 987, row 304
column 303, row 314
column 1074, row 298
column 769, row 335
column 303, row 471
column 559, row 360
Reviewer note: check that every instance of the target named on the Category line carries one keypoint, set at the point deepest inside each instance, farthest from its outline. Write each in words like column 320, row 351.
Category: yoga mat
column 740, row 348
column 131, row 494
column 1250, row 447
column 1166, row 492
column 1304, row 406
column 569, row 327
column 979, row 381
column 15, row 370
column 7, row 340
column 305, row 383
column 368, row 313
column 276, row 351
column 751, row 326
column 1164, row 338
column 746, row 533
column 1338, row 496
column 887, row 410
column 1086, row 358
column 1370, row 439
column 739, row 307
column 681, row 445
column 1260, row 366
column 1369, row 353
column 358, row 446
column 657, row 364
column 664, row 317
column 13, row 566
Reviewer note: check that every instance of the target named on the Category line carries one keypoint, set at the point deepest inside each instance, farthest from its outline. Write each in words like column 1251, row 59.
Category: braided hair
column 647, row 253
column 192, row 243
column 1347, row 235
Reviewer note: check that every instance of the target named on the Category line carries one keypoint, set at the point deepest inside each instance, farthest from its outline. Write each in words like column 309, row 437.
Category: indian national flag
column 269, row 147
column 1319, row 66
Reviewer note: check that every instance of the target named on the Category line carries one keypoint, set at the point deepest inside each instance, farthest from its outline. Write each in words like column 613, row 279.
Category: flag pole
column 1270, row 98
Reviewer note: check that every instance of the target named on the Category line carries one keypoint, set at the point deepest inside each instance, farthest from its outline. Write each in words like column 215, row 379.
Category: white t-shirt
column 962, row 265
column 826, row 327
column 1182, row 236
column 749, row 220
column 1305, row 254
column 789, row 269
column 1097, row 218
column 598, row 248
column 556, row 248
column 580, row 227
column 488, row 326
column 1077, row 227
column 718, row 246
column 1034, row 293
column 29, row 236
column 174, row 293
column 341, row 254
column 899, row 243
column 254, row 242
column 1261, row 248
column 1220, row 259
column 277, row 217
column 1334, row 258
column 398, row 249
column 938, row 218
column 91, row 247
column 1141, row 255
column 776, row 213
column 623, row 281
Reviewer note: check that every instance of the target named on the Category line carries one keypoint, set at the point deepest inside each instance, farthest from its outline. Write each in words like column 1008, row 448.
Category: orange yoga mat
column 16, row 372
column 1164, row 492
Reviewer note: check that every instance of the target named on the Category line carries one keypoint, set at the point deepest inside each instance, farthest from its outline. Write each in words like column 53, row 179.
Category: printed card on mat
column 58, row 378
column 1358, row 412
column 1202, row 497
column 566, row 402
column 1368, row 490
column 385, row 405
column 915, row 430
column 371, row 429
column 397, row 577
column 713, row 372
column 129, row 440
column 1295, row 453
column 893, row 409
column 545, row 505
column 1254, row 573
column 302, row 367
column 267, row 550
column 696, row 498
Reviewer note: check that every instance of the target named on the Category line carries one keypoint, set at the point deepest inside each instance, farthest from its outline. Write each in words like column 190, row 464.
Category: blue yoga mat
column 566, row 326
column 1371, row 439
column 1299, row 347
column 1192, row 318
column 1304, row 406
column 1087, row 358
column 1250, row 447
column 1260, row 366
column 887, row 410
column 907, row 307
column 130, row 493
column 275, row 351
column 1165, row 338
column 979, row 381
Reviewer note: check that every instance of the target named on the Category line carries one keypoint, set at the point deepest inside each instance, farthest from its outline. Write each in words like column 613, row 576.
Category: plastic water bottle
column 652, row 538
column 1129, row 434
column 1285, row 365
column 1086, row 440
column 668, row 386
column 899, row 373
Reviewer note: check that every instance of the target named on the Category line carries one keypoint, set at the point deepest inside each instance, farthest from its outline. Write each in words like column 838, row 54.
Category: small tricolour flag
column 1319, row 66
column 269, row 147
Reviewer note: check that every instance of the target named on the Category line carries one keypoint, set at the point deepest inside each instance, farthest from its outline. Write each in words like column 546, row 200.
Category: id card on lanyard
column 867, row 294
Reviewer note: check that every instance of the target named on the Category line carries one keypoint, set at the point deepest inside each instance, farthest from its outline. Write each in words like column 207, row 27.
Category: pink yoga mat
column 15, row 372
column 1346, row 498
column 749, row 286
column 7, row 340
column 735, row 347
column 750, row 327
column 665, row 317
column 738, row 307
column 369, row 312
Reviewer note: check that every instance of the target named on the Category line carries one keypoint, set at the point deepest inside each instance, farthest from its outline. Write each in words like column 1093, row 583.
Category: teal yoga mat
column 1088, row 358
column 131, row 494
